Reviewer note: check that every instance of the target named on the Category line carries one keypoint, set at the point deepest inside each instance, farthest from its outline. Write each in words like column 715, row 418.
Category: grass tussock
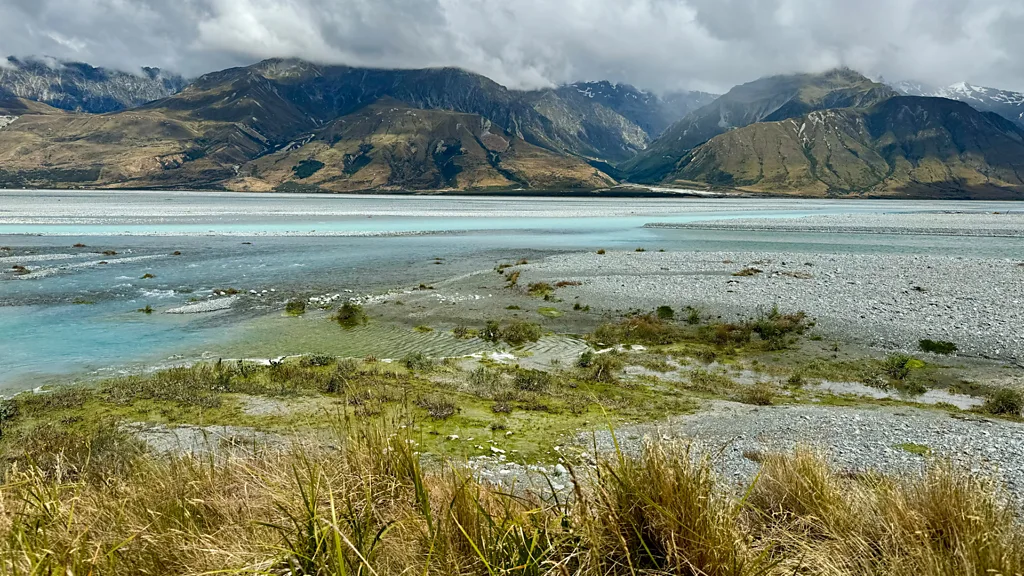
column 774, row 330
column 512, row 332
column 351, row 315
column 371, row 508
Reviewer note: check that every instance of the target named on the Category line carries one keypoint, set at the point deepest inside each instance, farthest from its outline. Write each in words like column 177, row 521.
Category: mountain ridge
column 905, row 146
column 76, row 86
column 767, row 99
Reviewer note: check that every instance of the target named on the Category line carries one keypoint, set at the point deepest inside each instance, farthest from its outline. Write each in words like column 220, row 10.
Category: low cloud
column 657, row 44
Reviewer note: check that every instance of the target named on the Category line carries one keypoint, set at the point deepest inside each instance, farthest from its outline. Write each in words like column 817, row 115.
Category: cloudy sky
column 656, row 44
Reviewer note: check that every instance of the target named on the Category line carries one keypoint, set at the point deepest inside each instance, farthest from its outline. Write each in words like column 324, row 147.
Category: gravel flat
column 853, row 439
column 884, row 300
column 1006, row 224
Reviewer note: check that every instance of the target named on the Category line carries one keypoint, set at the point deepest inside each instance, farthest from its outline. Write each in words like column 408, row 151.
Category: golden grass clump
column 371, row 507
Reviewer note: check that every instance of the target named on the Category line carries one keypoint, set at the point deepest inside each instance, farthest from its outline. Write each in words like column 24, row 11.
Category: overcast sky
column 656, row 44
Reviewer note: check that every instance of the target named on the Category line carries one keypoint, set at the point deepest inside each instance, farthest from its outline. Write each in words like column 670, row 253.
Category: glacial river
column 72, row 311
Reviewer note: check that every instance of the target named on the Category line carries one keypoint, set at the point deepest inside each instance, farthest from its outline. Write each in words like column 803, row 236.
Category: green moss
column 918, row 449
column 549, row 312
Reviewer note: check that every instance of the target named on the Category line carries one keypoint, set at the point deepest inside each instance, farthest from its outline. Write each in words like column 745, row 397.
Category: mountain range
column 1006, row 103
column 291, row 125
column 76, row 86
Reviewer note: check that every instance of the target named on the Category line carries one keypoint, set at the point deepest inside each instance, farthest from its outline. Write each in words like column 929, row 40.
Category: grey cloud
column 658, row 44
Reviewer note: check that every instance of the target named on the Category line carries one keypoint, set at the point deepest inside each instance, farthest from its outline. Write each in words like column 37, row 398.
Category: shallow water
column 75, row 311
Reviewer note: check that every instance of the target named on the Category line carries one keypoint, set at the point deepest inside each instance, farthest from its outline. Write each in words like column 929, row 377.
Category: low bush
column 539, row 289
column 897, row 366
column 1005, row 402
column 773, row 327
column 710, row 382
column 638, row 329
column 351, row 315
column 665, row 313
column 418, row 362
column 295, row 307
column 312, row 360
column 937, row 346
column 600, row 367
column 514, row 332
column 760, row 394
column 438, row 408
column 533, row 380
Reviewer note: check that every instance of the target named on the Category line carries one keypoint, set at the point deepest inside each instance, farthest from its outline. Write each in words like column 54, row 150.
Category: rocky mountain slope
column 80, row 87
column 925, row 147
column 389, row 145
column 765, row 100
column 1006, row 103
column 212, row 133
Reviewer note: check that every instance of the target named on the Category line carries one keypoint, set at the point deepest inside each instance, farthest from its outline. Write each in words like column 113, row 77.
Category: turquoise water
column 75, row 314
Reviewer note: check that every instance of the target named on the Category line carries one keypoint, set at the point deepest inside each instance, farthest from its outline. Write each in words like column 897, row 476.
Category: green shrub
column 312, row 360
column 937, row 346
column 602, row 367
column 515, row 332
column 351, row 315
column 540, row 289
column 665, row 313
column 1005, row 402
column 726, row 334
column 438, row 408
column 533, row 380
column 897, row 366
column 760, row 394
column 295, row 307
column 638, row 329
column 692, row 316
column 774, row 326
column 418, row 361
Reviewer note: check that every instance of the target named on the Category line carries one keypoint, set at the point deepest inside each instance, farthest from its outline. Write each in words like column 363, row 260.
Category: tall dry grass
column 371, row 507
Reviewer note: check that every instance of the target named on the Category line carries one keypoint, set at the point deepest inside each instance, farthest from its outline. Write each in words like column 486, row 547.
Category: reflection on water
column 74, row 309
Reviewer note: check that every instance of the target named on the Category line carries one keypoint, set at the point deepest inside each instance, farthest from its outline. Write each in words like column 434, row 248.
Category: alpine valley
column 291, row 125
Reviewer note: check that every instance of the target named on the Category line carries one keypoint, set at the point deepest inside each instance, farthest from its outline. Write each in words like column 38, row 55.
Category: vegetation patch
column 307, row 168
column 918, row 449
column 512, row 332
column 1005, row 402
column 760, row 394
column 748, row 271
column 295, row 307
column 540, row 289
column 549, row 312
column 351, row 315
column 937, row 347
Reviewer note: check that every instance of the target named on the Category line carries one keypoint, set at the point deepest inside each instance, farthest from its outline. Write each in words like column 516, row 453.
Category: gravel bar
column 853, row 439
column 992, row 224
column 889, row 301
